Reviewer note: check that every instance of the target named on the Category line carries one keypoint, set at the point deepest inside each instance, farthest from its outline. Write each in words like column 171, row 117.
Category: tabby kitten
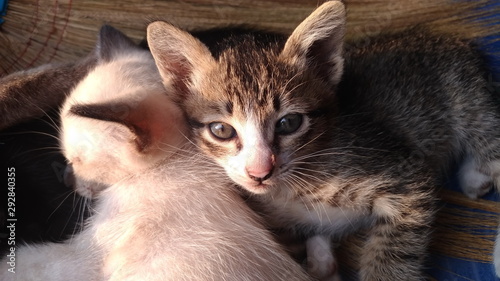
column 329, row 142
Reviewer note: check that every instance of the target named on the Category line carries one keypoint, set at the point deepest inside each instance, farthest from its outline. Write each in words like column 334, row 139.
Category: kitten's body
column 28, row 94
column 45, row 211
column 325, row 156
column 163, row 212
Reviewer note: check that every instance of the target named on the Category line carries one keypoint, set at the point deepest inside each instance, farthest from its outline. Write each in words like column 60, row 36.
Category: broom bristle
column 470, row 19
column 45, row 31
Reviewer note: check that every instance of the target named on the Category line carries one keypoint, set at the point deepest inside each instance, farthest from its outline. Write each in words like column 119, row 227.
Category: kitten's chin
column 257, row 188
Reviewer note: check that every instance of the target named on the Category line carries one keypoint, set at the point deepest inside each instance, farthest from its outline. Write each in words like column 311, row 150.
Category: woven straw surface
column 43, row 31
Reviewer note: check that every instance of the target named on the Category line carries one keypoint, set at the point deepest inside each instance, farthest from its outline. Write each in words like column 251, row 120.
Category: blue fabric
column 3, row 9
column 446, row 268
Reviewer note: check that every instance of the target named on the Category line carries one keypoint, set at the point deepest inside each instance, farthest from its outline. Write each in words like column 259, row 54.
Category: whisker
column 297, row 181
column 337, row 205
column 307, row 143
column 32, row 132
column 309, row 156
column 296, row 166
column 51, row 151
column 60, row 204
column 308, row 187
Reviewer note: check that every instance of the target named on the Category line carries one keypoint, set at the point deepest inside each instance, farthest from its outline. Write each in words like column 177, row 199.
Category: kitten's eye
column 288, row 124
column 222, row 130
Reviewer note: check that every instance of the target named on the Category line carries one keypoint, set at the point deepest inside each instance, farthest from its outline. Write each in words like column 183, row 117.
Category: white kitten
column 163, row 211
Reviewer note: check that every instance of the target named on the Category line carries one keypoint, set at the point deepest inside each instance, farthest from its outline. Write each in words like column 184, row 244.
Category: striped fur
column 372, row 146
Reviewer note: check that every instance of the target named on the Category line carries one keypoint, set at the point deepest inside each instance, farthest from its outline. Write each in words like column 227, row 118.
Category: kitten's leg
column 321, row 262
column 495, row 171
column 476, row 183
column 473, row 181
column 487, row 152
column 396, row 245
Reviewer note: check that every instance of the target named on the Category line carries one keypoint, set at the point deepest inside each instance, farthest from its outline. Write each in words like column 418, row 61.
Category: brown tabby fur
column 372, row 145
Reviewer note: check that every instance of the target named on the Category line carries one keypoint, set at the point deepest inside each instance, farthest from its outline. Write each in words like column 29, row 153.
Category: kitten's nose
column 260, row 175
column 261, row 170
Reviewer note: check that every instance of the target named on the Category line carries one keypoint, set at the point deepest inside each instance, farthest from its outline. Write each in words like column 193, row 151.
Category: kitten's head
column 259, row 109
column 119, row 119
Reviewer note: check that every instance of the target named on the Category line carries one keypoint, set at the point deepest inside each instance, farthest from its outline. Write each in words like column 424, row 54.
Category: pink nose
column 260, row 175
column 261, row 169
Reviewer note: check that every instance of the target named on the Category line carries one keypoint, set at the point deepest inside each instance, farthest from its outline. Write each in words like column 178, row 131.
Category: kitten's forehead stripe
column 252, row 73
column 276, row 103
column 215, row 108
column 261, row 101
column 229, row 107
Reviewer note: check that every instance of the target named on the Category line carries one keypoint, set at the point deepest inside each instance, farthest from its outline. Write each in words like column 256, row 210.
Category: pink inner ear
column 174, row 66
column 182, row 71
column 156, row 122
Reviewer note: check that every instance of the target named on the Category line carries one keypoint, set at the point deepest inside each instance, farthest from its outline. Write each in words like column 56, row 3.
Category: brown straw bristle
column 465, row 228
column 38, row 32
column 372, row 17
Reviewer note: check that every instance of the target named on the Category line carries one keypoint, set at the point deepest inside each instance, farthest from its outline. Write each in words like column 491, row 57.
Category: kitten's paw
column 321, row 262
column 473, row 182
column 494, row 167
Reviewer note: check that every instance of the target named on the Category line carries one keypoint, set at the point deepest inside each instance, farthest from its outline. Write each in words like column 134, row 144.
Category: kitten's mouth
column 258, row 188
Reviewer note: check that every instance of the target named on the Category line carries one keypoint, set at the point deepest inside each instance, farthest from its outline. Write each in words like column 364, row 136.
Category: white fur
column 494, row 167
column 337, row 221
column 320, row 259
column 117, row 81
column 164, row 213
column 254, row 156
column 473, row 182
column 476, row 183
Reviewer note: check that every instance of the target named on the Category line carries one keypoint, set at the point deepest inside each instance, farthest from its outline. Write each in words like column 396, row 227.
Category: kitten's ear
column 154, row 122
column 112, row 42
column 177, row 53
column 318, row 41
